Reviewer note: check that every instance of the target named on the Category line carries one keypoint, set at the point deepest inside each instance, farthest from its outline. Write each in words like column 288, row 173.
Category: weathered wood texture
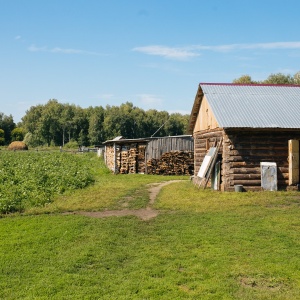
column 203, row 140
column 131, row 158
column 242, row 152
column 172, row 163
column 293, row 162
column 110, row 157
column 157, row 146
column 205, row 118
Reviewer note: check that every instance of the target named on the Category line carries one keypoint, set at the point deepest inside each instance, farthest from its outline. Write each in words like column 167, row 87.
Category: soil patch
column 143, row 213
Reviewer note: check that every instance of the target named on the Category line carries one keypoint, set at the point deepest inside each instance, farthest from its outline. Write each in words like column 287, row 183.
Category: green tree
column 155, row 122
column 17, row 134
column 244, row 79
column 32, row 140
column 8, row 125
column 139, row 128
column 279, row 78
column 111, row 123
column 51, row 129
column 80, row 126
column 297, row 78
column 96, row 130
column 2, row 137
column 177, row 124
column 66, row 123
column 56, row 123
column 32, row 122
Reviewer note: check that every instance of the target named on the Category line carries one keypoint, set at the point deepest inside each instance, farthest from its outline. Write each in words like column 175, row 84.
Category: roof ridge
column 249, row 84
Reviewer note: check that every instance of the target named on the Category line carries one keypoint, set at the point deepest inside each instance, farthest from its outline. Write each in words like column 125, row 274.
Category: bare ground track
column 144, row 213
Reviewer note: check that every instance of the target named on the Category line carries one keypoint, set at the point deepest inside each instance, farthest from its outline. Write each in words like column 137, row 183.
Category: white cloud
column 67, row 51
column 258, row 46
column 34, row 48
column 183, row 53
column 167, row 52
column 276, row 45
column 18, row 37
column 149, row 100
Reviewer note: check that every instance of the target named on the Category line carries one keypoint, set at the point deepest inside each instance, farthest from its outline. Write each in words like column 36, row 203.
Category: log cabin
column 254, row 125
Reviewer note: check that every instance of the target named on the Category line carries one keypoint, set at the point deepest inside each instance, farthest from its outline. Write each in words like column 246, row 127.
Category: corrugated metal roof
column 254, row 106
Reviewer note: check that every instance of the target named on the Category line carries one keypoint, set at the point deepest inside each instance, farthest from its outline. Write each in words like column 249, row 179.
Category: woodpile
column 110, row 157
column 136, row 156
column 141, row 158
column 172, row 163
column 131, row 159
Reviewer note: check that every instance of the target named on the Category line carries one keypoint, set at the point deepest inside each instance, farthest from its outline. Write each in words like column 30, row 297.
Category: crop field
column 201, row 245
column 33, row 178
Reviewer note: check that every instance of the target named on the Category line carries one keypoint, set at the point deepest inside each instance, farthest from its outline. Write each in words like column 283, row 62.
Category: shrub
column 17, row 134
column 17, row 145
column 32, row 140
column 71, row 145
column 2, row 139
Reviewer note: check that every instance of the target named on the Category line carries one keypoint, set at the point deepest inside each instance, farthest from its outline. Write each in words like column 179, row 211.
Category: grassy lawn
column 202, row 245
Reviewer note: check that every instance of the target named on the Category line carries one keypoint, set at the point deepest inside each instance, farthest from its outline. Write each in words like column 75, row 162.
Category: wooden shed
column 256, row 127
column 172, row 155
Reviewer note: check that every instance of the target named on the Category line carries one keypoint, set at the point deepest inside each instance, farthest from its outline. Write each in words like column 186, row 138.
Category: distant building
column 172, row 155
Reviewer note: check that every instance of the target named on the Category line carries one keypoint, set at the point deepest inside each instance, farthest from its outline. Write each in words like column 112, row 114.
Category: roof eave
column 195, row 110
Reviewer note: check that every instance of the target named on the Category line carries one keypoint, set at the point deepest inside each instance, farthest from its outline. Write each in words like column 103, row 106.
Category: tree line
column 277, row 78
column 57, row 124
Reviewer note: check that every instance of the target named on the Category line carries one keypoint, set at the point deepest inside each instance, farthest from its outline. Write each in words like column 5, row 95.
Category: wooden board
column 293, row 162
column 206, row 162
column 207, row 165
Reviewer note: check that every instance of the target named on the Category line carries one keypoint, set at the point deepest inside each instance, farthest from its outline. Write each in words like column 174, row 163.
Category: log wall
column 243, row 150
column 203, row 140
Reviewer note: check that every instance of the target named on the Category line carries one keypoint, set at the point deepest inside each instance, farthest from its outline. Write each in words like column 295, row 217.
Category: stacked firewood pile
column 141, row 158
column 172, row 163
column 110, row 157
column 132, row 159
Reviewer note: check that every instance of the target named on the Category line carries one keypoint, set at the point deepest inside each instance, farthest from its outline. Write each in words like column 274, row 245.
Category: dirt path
column 143, row 213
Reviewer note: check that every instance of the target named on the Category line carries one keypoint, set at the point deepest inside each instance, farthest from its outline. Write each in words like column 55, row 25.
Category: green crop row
column 33, row 178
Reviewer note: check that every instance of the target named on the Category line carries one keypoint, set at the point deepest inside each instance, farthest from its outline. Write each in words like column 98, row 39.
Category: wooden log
column 172, row 163
column 258, row 153
column 256, row 146
column 247, row 177
column 252, row 159
column 246, row 182
column 244, row 170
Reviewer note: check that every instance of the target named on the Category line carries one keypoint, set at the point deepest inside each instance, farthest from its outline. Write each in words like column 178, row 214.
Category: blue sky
column 151, row 53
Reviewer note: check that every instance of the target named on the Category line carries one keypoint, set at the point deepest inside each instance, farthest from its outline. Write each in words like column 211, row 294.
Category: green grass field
column 202, row 245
